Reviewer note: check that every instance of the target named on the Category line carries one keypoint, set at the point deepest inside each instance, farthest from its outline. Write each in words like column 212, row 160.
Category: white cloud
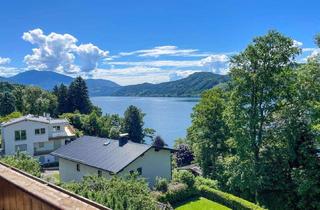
column 4, row 61
column 210, row 61
column 90, row 55
column 168, row 50
column 217, row 63
column 159, row 63
column 180, row 74
column 9, row 71
column 139, row 74
column 57, row 52
column 297, row 43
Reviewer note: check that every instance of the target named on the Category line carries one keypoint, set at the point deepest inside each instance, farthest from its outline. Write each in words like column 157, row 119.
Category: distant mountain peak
column 193, row 85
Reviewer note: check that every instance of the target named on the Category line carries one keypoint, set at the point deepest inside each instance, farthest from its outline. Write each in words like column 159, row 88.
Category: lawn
column 201, row 203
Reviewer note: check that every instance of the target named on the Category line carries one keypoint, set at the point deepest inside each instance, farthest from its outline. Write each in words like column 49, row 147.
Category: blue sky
column 143, row 41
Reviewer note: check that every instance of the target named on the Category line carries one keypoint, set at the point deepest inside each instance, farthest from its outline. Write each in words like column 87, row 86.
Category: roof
column 45, row 192
column 192, row 167
column 41, row 119
column 102, row 153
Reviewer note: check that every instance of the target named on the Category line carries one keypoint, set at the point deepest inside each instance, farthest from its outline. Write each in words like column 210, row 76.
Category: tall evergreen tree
column 79, row 97
column 133, row 124
column 63, row 99
column 7, row 103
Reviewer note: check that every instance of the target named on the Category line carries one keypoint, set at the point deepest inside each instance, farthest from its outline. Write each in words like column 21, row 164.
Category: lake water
column 169, row 116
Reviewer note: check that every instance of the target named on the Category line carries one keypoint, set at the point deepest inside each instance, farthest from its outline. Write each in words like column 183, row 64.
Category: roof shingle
column 102, row 153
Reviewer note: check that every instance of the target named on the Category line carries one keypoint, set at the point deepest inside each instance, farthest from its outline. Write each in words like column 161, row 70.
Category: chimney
column 123, row 139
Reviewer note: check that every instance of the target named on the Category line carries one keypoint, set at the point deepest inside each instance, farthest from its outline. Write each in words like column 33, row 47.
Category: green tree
column 133, row 124
column 258, row 79
column 37, row 101
column 7, row 103
column 158, row 142
column 79, row 97
column 18, row 93
column 208, row 132
column 317, row 40
column 92, row 124
column 63, row 100
column 10, row 116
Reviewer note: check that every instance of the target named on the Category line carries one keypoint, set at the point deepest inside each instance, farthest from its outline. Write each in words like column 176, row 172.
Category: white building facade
column 36, row 135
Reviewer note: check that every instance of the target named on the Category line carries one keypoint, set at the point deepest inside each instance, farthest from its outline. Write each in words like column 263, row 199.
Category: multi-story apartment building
column 37, row 136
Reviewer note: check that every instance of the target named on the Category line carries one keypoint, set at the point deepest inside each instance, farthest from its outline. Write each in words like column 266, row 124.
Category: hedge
column 227, row 199
column 178, row 195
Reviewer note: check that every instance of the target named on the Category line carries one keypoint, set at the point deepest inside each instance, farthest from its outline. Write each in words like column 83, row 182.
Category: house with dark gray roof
column 89, row 155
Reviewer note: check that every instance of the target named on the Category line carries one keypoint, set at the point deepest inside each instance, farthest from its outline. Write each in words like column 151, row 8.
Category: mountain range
column 192, row 85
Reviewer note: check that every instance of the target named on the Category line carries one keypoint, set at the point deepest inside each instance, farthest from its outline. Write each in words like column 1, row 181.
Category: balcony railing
column 42, row 152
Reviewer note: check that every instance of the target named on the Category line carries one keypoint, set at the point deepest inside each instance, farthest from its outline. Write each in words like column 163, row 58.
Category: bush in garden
column 206, row 182
column 184, row 177
column 178, row 193
column 161, row 184
column 23, row 162
column 116, row 193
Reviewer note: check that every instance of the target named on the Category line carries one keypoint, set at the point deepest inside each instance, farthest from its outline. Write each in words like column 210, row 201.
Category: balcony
column 20, row 190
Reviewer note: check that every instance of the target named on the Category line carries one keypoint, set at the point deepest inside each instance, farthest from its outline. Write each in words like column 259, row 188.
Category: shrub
column 184, row 177
column 116, row 193
column 23, row 162
column 227, row 199
column 206, row 182
column 161, row 184
column 184, row 155
column 178, row 193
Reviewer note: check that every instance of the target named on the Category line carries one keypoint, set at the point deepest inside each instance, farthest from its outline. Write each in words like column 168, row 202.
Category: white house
column 37, row 136
column 106, row 157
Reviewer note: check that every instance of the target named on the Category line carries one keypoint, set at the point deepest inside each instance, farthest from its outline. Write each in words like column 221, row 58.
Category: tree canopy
column 258, row 137
column 133, row 124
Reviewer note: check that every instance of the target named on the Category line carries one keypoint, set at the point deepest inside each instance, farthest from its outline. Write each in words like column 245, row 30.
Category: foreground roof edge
column 12, row 175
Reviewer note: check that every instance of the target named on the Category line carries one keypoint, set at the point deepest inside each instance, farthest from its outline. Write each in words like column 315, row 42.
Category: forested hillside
column 193, row 85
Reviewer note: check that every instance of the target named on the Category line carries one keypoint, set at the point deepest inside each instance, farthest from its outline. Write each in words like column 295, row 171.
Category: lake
column 169, row 116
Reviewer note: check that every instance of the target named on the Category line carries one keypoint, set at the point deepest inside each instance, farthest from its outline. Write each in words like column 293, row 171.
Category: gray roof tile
column 91, row 151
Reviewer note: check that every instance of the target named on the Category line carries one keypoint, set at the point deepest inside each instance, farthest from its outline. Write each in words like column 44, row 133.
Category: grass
column 201, row 203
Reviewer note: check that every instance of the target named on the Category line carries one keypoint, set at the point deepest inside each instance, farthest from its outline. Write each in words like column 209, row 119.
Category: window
column 23, row 135
column 20, row 135
column 17, row 135
column 99, row 173
column 39, row 131
column 43, row 130
column 41, row 144
column 21, row 148
column 139, row 170
column 56, row 128
column 78, row 167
